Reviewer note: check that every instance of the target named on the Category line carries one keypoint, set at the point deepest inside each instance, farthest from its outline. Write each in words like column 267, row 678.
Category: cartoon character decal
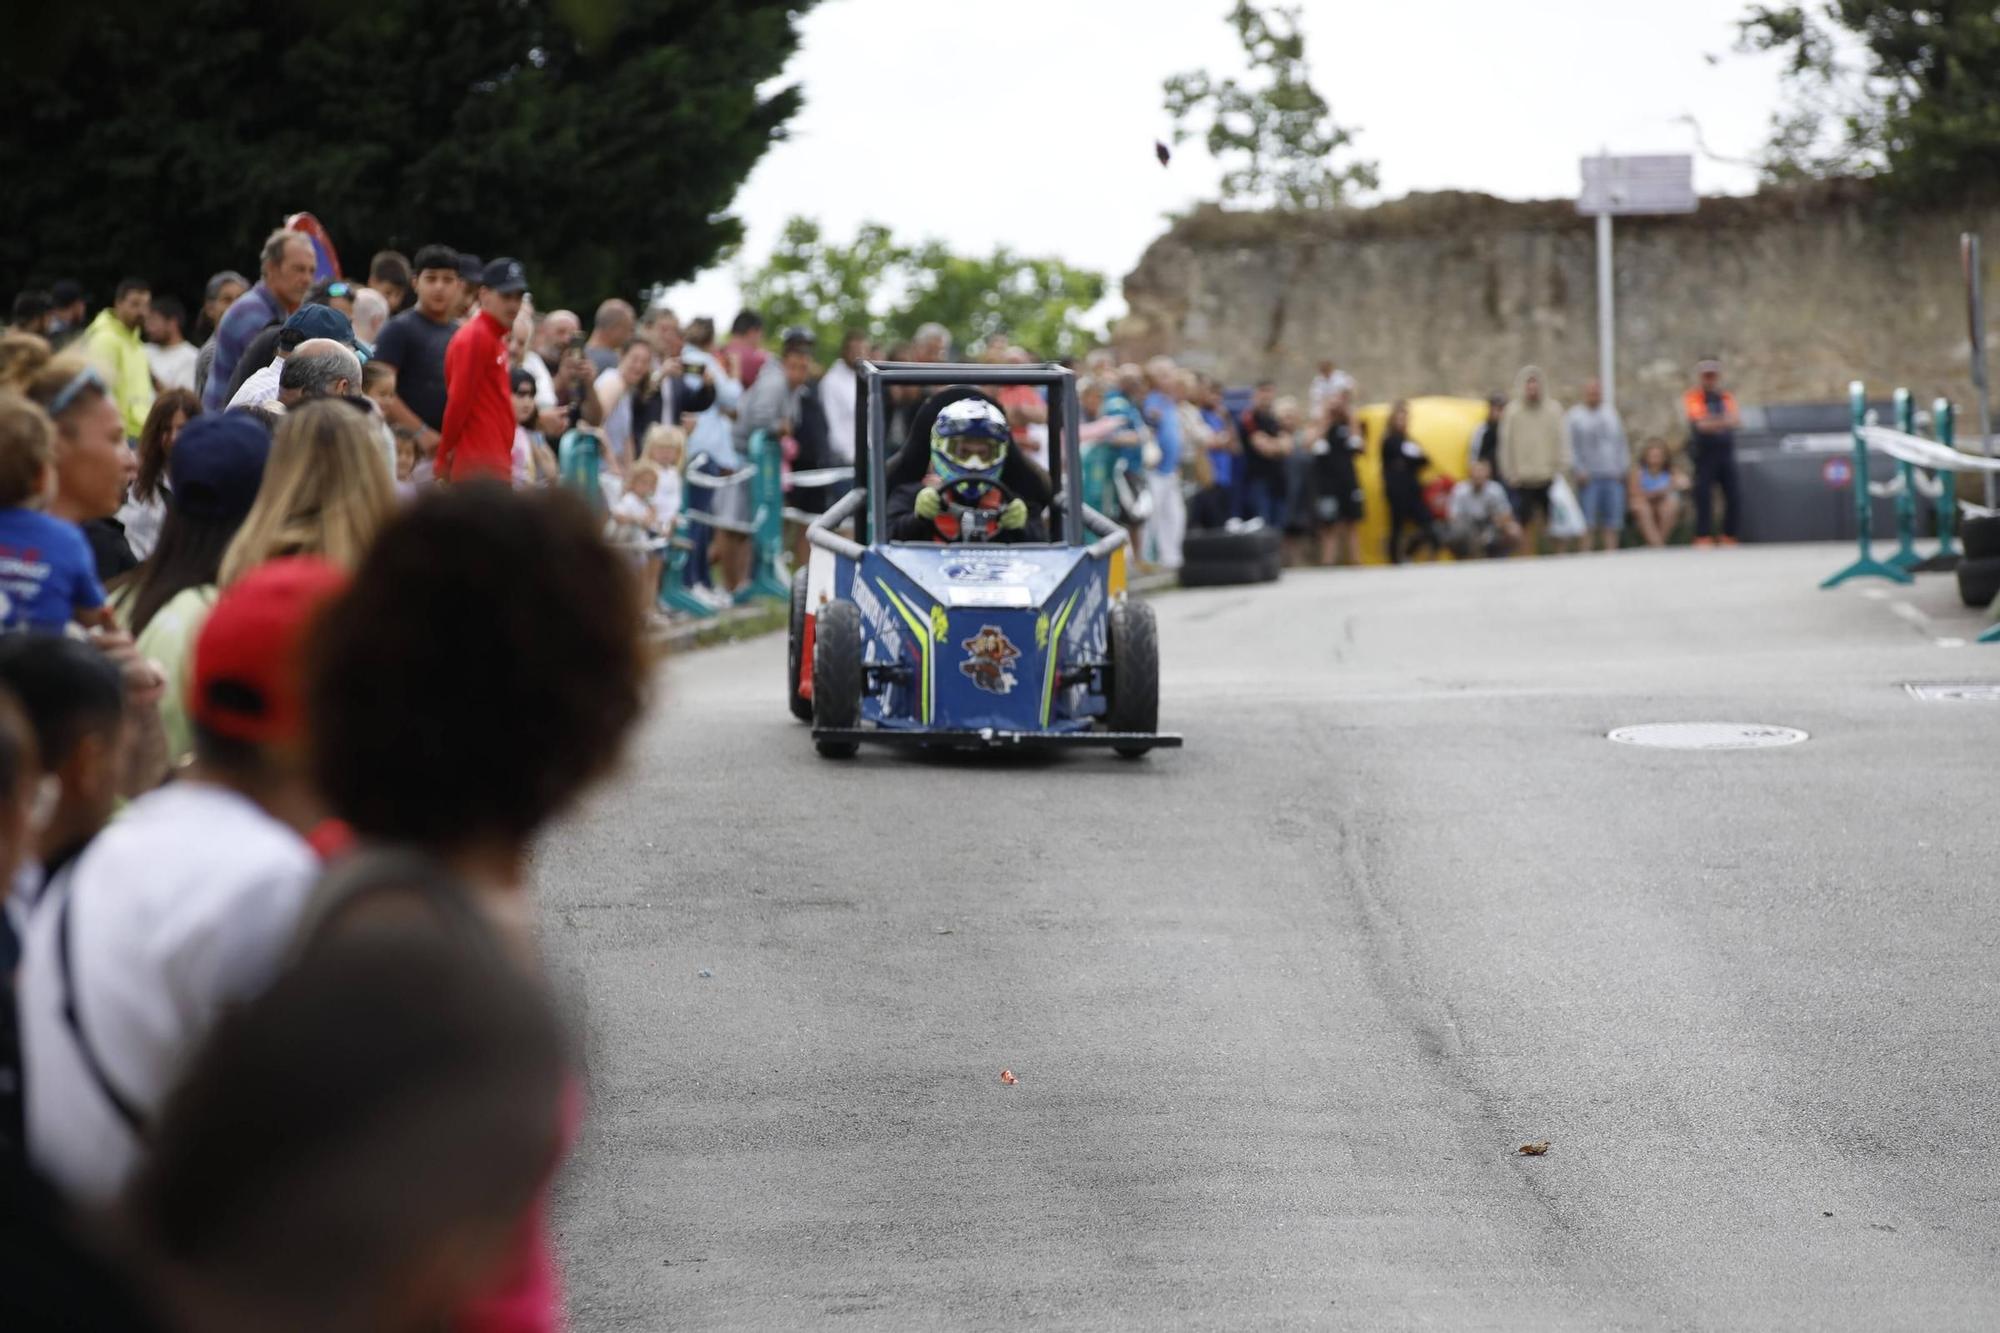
column 989, row 660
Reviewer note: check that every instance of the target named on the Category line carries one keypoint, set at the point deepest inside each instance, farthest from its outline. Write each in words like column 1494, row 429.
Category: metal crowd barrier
column 771, row 564
column 1912, row 452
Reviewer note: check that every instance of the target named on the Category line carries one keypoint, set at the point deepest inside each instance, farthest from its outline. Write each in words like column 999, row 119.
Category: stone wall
column 1799, row 291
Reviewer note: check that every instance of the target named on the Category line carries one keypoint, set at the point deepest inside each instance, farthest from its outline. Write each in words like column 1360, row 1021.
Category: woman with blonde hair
column 326, row 490
column 94, row 463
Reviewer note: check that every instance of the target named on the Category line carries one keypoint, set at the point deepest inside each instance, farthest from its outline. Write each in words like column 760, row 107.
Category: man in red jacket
column 478, row 435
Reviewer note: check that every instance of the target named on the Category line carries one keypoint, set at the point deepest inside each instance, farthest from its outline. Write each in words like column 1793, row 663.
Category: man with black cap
column 307, row 323
column 478, row 435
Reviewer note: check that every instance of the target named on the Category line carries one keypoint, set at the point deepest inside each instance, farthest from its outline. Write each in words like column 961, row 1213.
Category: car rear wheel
column 1133, row 693
column 836, row 701
column 802, row 708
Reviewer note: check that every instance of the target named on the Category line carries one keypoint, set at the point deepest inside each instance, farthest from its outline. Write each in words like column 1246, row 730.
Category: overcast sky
column 1032, row 124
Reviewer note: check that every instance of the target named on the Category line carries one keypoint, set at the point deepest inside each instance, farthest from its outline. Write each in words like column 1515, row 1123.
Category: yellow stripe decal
column 1055, row 651
column 922, row 631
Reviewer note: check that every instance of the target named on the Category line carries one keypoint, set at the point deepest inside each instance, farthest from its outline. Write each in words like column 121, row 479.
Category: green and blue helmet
column 969, row 441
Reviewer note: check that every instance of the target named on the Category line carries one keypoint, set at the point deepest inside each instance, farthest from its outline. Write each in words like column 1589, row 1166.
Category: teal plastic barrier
column 1866, row 566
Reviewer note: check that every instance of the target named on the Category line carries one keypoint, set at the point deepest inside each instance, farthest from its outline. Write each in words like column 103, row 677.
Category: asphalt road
column 1283, row 1005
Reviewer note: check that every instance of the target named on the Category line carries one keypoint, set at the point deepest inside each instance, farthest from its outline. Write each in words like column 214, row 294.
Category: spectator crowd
column 276, row 1050
column 1536, row 476
column 312, row 624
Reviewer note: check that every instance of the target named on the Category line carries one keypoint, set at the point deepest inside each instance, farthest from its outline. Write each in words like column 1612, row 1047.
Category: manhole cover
column 1708, row 736
column 1956, row 691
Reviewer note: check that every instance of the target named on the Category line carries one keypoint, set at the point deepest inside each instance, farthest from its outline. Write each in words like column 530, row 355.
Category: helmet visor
column 973, row 452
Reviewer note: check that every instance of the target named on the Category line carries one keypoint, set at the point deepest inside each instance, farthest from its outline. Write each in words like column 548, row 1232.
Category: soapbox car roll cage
column 1098, row 669
column 878, row 471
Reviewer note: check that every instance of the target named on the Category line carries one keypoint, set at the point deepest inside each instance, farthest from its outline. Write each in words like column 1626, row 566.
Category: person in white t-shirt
column 183, row 907
column 838, row 389
column 1330, row 382
column 168, row 351
column 637, row 528
column 666, row 449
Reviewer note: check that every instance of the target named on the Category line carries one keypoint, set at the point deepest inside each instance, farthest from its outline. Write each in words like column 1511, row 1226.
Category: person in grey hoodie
column 1534, row 451
column 1602, row 458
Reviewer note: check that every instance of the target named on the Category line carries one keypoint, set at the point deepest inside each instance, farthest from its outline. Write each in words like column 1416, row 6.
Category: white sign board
column 1636, row 186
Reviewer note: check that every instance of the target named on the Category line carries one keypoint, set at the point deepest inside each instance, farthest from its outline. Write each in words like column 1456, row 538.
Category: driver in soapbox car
column 962, row 497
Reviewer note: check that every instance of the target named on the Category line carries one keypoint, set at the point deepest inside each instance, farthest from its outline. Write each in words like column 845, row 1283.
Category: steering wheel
column 965, row 500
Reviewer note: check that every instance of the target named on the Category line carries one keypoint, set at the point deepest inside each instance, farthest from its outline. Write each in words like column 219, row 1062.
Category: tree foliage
column 600, row 141
column 1901, row 89
column 886, row 288
column 1276, row 136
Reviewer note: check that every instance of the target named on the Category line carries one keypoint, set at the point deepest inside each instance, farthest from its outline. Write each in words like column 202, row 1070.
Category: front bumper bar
column 991, row 739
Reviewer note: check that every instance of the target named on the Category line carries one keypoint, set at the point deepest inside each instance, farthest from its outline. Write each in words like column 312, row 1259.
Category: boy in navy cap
column 478, row 437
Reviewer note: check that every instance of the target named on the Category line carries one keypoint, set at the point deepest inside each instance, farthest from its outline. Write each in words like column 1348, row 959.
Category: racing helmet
column 969, row 441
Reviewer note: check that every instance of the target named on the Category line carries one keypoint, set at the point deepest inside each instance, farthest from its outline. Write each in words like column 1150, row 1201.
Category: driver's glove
column 1015, row 516
column 928, row 502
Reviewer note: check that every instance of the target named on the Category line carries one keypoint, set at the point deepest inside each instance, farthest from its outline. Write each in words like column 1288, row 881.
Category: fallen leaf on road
column 1007, row 1076
column 1534, row 1149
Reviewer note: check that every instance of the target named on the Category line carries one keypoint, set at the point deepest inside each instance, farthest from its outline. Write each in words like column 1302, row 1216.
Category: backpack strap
column 126, row 1109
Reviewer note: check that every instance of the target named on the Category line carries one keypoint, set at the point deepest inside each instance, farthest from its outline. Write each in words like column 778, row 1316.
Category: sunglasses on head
column 87, row 378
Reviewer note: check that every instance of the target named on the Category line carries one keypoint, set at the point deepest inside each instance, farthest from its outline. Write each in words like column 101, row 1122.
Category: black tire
column 1979, row 581
column 1134, row 689
column 836, row 700
column 1218, row 545
column 1980, row 537
column 802, row 708
column 1223, row 573
column 1271, row 567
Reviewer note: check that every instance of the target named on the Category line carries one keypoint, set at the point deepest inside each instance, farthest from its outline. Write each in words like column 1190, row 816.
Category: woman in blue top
column 48, row 576
column 1654, row 493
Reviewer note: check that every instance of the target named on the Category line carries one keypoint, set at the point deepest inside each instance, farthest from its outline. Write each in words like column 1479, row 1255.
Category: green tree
column 887, row 288
column 600, row 141
column 1900, row 89
column 1276, row 136
column 815, row 283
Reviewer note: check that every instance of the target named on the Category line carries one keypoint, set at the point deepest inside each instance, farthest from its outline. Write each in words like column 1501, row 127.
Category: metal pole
column 1607, row 356
column 1944, row 425
column 1968, row 249
column 1906, row 556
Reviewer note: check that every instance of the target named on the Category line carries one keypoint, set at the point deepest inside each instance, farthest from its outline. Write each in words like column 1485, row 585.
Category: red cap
column 249, row 672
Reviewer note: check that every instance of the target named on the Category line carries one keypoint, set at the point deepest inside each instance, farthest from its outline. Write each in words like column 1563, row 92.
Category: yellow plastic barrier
column 1443, row 426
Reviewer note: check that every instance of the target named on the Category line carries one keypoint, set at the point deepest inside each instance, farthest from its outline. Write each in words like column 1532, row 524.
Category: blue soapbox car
column 972, row 642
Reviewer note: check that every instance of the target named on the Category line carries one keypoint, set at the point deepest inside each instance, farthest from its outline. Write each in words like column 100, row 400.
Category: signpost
column 1642, row 186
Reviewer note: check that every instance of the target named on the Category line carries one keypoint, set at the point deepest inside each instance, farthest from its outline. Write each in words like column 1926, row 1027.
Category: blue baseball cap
column 217, row 465
column 321, row 321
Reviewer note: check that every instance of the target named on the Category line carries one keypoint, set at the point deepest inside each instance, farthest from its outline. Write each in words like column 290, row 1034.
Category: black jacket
column 906, row 525
column 665, row 403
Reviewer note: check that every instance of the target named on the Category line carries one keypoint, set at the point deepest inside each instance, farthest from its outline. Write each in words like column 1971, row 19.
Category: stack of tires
column 1979, row 571
column 1216, row 557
